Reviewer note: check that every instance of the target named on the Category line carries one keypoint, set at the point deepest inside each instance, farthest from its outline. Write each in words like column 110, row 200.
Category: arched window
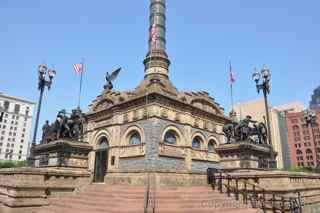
column 103, row 143
column 135, row 138
column 196, row 142
column 308, row 151
column 295, row 128
column 299, row 152
column 211, row 146
column 309, row 154
column 170, row 137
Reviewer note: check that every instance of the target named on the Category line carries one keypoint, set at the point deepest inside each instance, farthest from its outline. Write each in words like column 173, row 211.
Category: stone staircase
column 104, row 198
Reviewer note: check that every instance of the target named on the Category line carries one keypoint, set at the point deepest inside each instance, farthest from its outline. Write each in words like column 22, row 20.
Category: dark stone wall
column 201, row 166
column 153, row 128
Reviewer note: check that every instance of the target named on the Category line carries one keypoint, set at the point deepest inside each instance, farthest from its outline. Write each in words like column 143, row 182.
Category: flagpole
column 231, row 86
column 80, row 88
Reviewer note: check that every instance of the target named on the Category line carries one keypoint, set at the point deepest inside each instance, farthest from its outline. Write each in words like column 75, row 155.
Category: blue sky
column 202, row 36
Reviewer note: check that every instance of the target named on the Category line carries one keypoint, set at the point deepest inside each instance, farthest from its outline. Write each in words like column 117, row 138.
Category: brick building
column 304, row 141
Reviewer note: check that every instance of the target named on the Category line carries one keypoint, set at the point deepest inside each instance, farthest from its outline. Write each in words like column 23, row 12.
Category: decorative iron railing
column 252, row 194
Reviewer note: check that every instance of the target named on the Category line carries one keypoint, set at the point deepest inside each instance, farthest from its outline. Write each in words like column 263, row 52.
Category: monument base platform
column 29, row 188
column 62, row 154
column 245, row 155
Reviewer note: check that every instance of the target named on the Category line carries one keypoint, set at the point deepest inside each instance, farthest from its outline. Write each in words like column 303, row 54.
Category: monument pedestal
column 245, row 155
column 62, row 154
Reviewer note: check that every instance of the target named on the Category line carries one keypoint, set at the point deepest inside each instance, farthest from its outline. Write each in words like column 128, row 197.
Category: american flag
column 154, row 33
column 77, row 68
column 232, row 76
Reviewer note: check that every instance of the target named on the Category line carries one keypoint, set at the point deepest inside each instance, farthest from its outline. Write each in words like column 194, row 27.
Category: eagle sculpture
column 111, row 78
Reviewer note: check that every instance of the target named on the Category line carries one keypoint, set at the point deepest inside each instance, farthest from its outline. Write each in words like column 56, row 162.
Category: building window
column 295, row 128
column 113, row 159
column 309, row 154
column 299, row 157
column 17, row 108
column 103, row 143
column 211, row 145
column 170, row 137
column 196, row 142
column 135, row 138
column 6, row 105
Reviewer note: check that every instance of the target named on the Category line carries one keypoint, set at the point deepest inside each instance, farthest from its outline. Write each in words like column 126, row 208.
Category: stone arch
column 98, row 136
column 202, row 138
column 214, row 140
column 131, row 130
column 176, row 130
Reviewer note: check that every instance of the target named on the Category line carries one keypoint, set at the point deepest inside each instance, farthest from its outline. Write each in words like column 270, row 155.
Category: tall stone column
column 156, row 61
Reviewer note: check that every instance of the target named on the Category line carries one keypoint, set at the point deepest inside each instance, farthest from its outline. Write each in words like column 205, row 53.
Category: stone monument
column 247, row 146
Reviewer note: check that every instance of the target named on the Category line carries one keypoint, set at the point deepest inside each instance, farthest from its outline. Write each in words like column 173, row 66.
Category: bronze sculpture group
column 246, row 130
column 71, row 128
column 64, row 127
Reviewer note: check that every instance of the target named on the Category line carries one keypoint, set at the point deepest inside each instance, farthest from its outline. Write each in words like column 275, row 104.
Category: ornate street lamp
column 265, row 87
column 42, row 84
column 310, row 118
column 265, row 75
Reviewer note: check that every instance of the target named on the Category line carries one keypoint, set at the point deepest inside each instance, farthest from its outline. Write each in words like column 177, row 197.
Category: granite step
column 125, row 199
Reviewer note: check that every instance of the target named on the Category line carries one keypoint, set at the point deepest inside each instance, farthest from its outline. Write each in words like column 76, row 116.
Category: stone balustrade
column 132, row 151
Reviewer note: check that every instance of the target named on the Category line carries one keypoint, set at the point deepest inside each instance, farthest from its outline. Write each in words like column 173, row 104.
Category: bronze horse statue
column 243, row 131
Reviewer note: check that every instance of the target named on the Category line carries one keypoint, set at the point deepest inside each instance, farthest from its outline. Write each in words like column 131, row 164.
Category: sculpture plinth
column 244, row 155
column 62, row 154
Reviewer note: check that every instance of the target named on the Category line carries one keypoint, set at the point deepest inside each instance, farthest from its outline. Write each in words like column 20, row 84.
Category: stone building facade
column 155, row 127
column 15, row 128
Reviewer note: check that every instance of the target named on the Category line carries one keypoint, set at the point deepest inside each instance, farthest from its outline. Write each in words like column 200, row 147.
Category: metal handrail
column 150, row 194
column 256, row 195
column 147, row 196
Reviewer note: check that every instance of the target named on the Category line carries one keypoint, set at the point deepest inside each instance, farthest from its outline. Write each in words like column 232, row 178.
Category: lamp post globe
column 266, row 73
column 256, row 76
column 42, row 84
column 265, row 87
